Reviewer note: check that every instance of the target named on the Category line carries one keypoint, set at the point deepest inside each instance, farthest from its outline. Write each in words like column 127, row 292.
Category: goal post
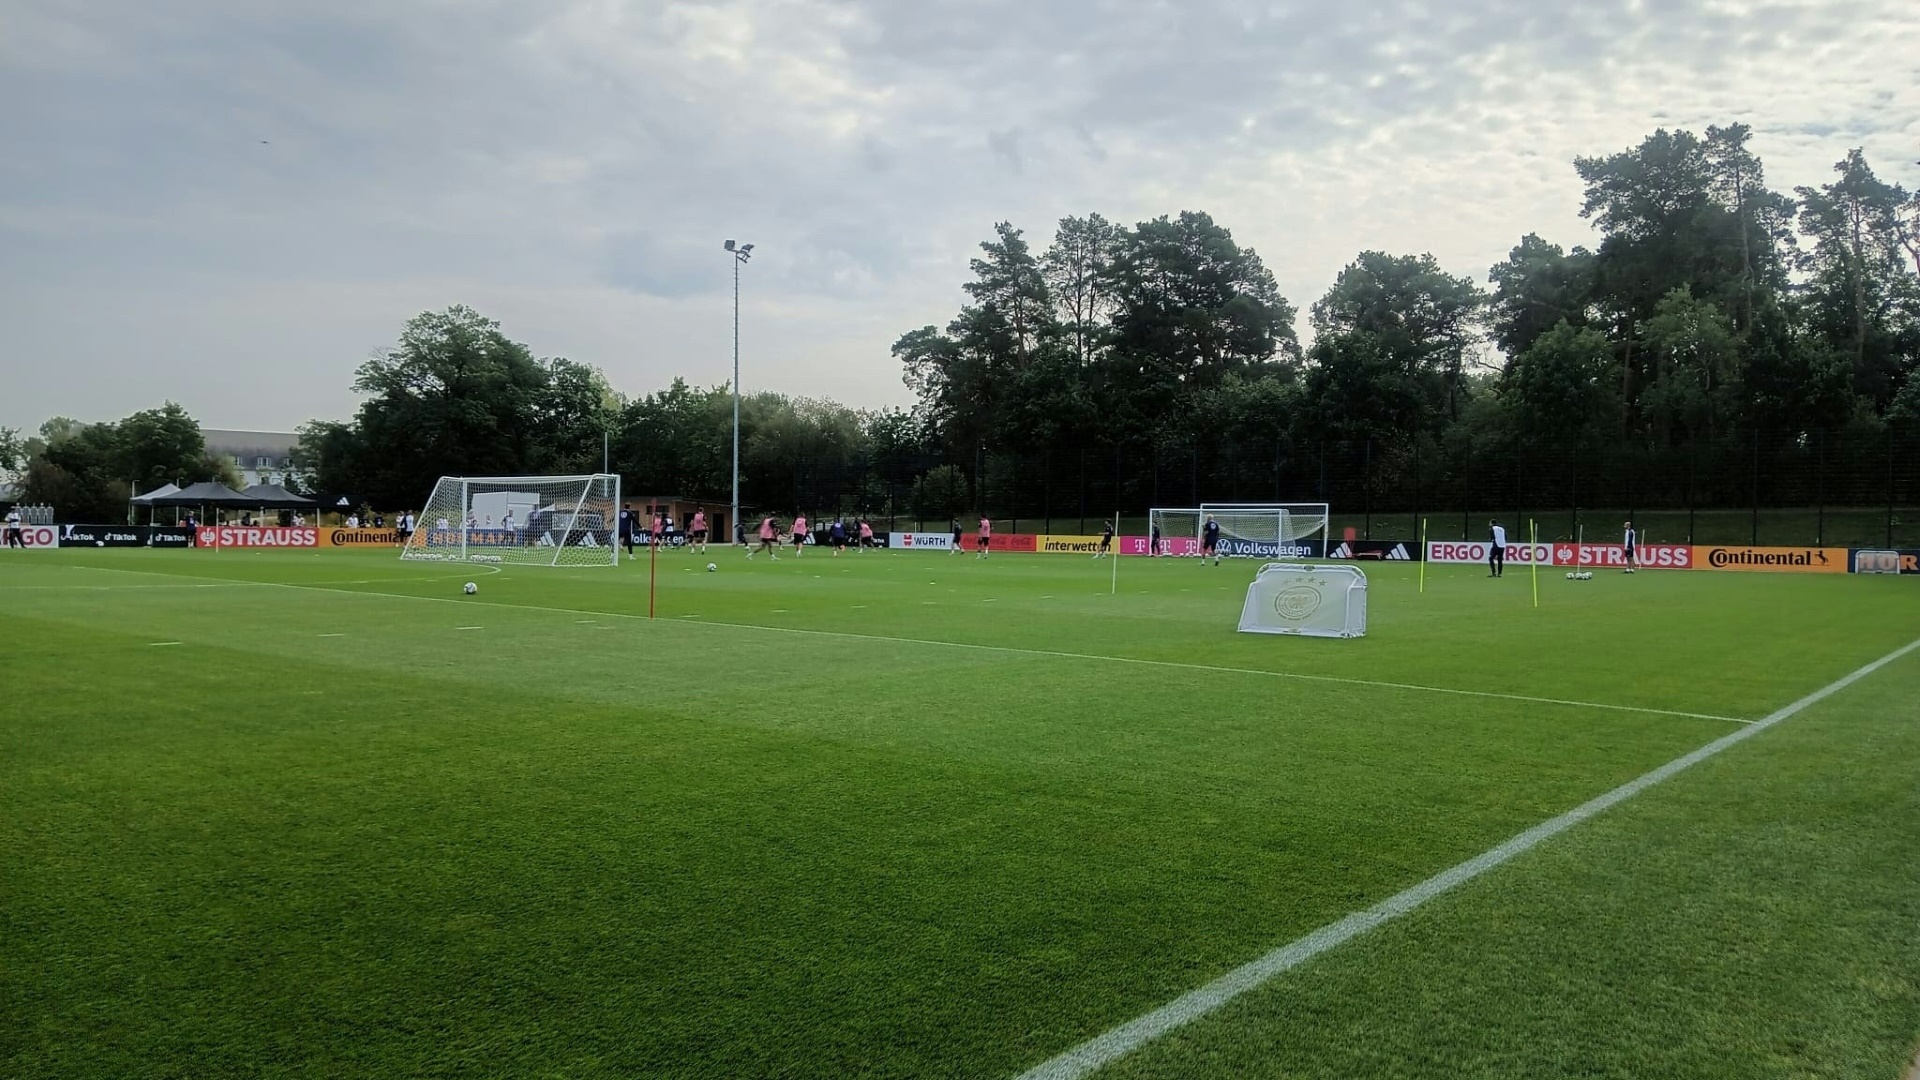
column 1247, row 530
column 524, row 520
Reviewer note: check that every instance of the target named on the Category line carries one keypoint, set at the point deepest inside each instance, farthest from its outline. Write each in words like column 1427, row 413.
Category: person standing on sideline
column 1210, row 541
column 14, row 539
column 626, row 529
column 698, row 530
column 1497, row 551
column 1153, row 540
column 1627, row 541
column 1106, row 540
column 985, row 542
column 959, row 544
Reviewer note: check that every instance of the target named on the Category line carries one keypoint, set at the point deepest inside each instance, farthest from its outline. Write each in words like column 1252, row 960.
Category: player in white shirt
column 1497, row 550
column 1627, row 542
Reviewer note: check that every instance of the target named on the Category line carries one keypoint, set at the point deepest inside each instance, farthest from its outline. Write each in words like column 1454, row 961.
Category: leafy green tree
column 1191, row 306
column 13, row 451
column 573, row 413
column 1694, row 351
column 1391, row 340
column 163, row 445
column 1860, row 296
column 1563, row 382
column 1079, row 268
column 453, row 397
column 1538, row 287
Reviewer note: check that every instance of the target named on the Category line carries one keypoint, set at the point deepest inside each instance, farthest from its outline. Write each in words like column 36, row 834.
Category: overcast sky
column 230, row 204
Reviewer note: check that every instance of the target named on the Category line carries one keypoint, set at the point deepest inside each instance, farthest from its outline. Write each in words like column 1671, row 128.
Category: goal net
column 531, row 520
column 1247, row 530
column 1311, row 601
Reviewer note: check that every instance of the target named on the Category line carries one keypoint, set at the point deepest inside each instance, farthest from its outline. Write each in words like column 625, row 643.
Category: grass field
column 917, row 815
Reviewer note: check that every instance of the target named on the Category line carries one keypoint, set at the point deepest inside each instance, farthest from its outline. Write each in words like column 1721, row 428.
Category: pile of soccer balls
column 1579, row 575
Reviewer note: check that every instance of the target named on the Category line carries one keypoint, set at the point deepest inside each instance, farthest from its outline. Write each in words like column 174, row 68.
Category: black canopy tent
column 146, row 499
column 205, row 494
column 275, row 497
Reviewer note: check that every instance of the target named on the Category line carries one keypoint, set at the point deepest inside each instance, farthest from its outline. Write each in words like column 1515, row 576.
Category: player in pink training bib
column 985, row 540
column 799, row 534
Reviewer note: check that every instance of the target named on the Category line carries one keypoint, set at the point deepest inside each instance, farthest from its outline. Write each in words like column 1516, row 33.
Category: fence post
column 1366, row 489
column 1820, row 486
column 1889, row 483
column 1083, row 492
column 1755, row 530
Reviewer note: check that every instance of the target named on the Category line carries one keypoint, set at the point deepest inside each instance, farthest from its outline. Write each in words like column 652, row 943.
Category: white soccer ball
column 711, row 567
column 99, row 543
column 470, row 588
column 1571, row 575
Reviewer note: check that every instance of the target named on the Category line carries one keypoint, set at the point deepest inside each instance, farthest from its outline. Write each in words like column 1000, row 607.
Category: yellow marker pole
column 1423, row 555
column 1533, row 556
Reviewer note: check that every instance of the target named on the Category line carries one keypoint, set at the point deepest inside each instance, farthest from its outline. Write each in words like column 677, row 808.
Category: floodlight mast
column 741, row 253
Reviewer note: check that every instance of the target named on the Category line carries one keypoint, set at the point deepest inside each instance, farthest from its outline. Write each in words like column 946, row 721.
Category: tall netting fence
column 1846, row 487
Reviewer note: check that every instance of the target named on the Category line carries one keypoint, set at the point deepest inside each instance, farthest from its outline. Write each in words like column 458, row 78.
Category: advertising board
column 1807, row 560
column 1886, row 561
column 219, row 536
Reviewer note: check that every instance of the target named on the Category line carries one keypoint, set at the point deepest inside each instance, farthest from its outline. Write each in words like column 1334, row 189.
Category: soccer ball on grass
column 470, row 588
column 711, row 567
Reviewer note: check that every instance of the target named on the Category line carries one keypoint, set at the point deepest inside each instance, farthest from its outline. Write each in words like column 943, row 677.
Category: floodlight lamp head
column 746, row 248
column 729, row 245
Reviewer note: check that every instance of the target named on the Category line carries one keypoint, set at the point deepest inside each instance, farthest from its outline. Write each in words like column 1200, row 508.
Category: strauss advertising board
column 219, row 536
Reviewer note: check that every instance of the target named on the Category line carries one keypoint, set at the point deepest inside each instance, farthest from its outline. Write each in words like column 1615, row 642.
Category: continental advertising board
column 1799, row 560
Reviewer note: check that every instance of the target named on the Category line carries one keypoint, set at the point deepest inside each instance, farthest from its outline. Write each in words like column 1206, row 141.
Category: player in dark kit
column 1210, row 541
column 1106, row 540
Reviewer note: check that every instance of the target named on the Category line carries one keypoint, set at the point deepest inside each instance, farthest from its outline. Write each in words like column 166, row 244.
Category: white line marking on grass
column 469, row 628
column 333, row 635
column 1057, row 654
column 1118, row 1042
column 157, row 644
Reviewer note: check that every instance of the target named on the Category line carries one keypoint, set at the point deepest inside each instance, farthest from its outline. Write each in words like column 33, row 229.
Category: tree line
column 1714, row 308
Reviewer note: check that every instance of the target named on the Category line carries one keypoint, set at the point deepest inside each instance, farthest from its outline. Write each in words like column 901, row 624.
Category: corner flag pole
column 1423, row 555
column 1113, row 587
column 1533, row 558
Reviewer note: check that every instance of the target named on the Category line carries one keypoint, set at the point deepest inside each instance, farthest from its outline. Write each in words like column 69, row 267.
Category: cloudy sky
column 230, row 204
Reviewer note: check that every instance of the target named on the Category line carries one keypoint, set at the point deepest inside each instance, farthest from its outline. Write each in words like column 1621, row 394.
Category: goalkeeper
column 1210, row 541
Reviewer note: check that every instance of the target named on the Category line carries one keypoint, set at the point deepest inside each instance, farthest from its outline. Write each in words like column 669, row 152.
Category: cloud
column 230, row 203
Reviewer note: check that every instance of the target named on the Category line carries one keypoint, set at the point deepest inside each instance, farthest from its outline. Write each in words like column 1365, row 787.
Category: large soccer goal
column 530, row 520
column 1247, row 530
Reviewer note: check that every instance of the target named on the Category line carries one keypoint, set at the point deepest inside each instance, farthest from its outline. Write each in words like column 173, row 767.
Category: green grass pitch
column 918, row 815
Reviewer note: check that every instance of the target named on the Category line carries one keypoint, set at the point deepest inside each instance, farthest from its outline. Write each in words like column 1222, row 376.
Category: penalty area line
column 1118, row 1042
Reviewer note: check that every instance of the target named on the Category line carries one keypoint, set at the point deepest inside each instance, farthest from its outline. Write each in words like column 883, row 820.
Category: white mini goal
column 529, row 520
column 1308, row 600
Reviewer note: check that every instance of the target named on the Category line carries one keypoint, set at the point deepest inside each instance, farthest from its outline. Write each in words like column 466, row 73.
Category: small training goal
column 1247, row 530
column 529, row 520
column 1308, row 600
